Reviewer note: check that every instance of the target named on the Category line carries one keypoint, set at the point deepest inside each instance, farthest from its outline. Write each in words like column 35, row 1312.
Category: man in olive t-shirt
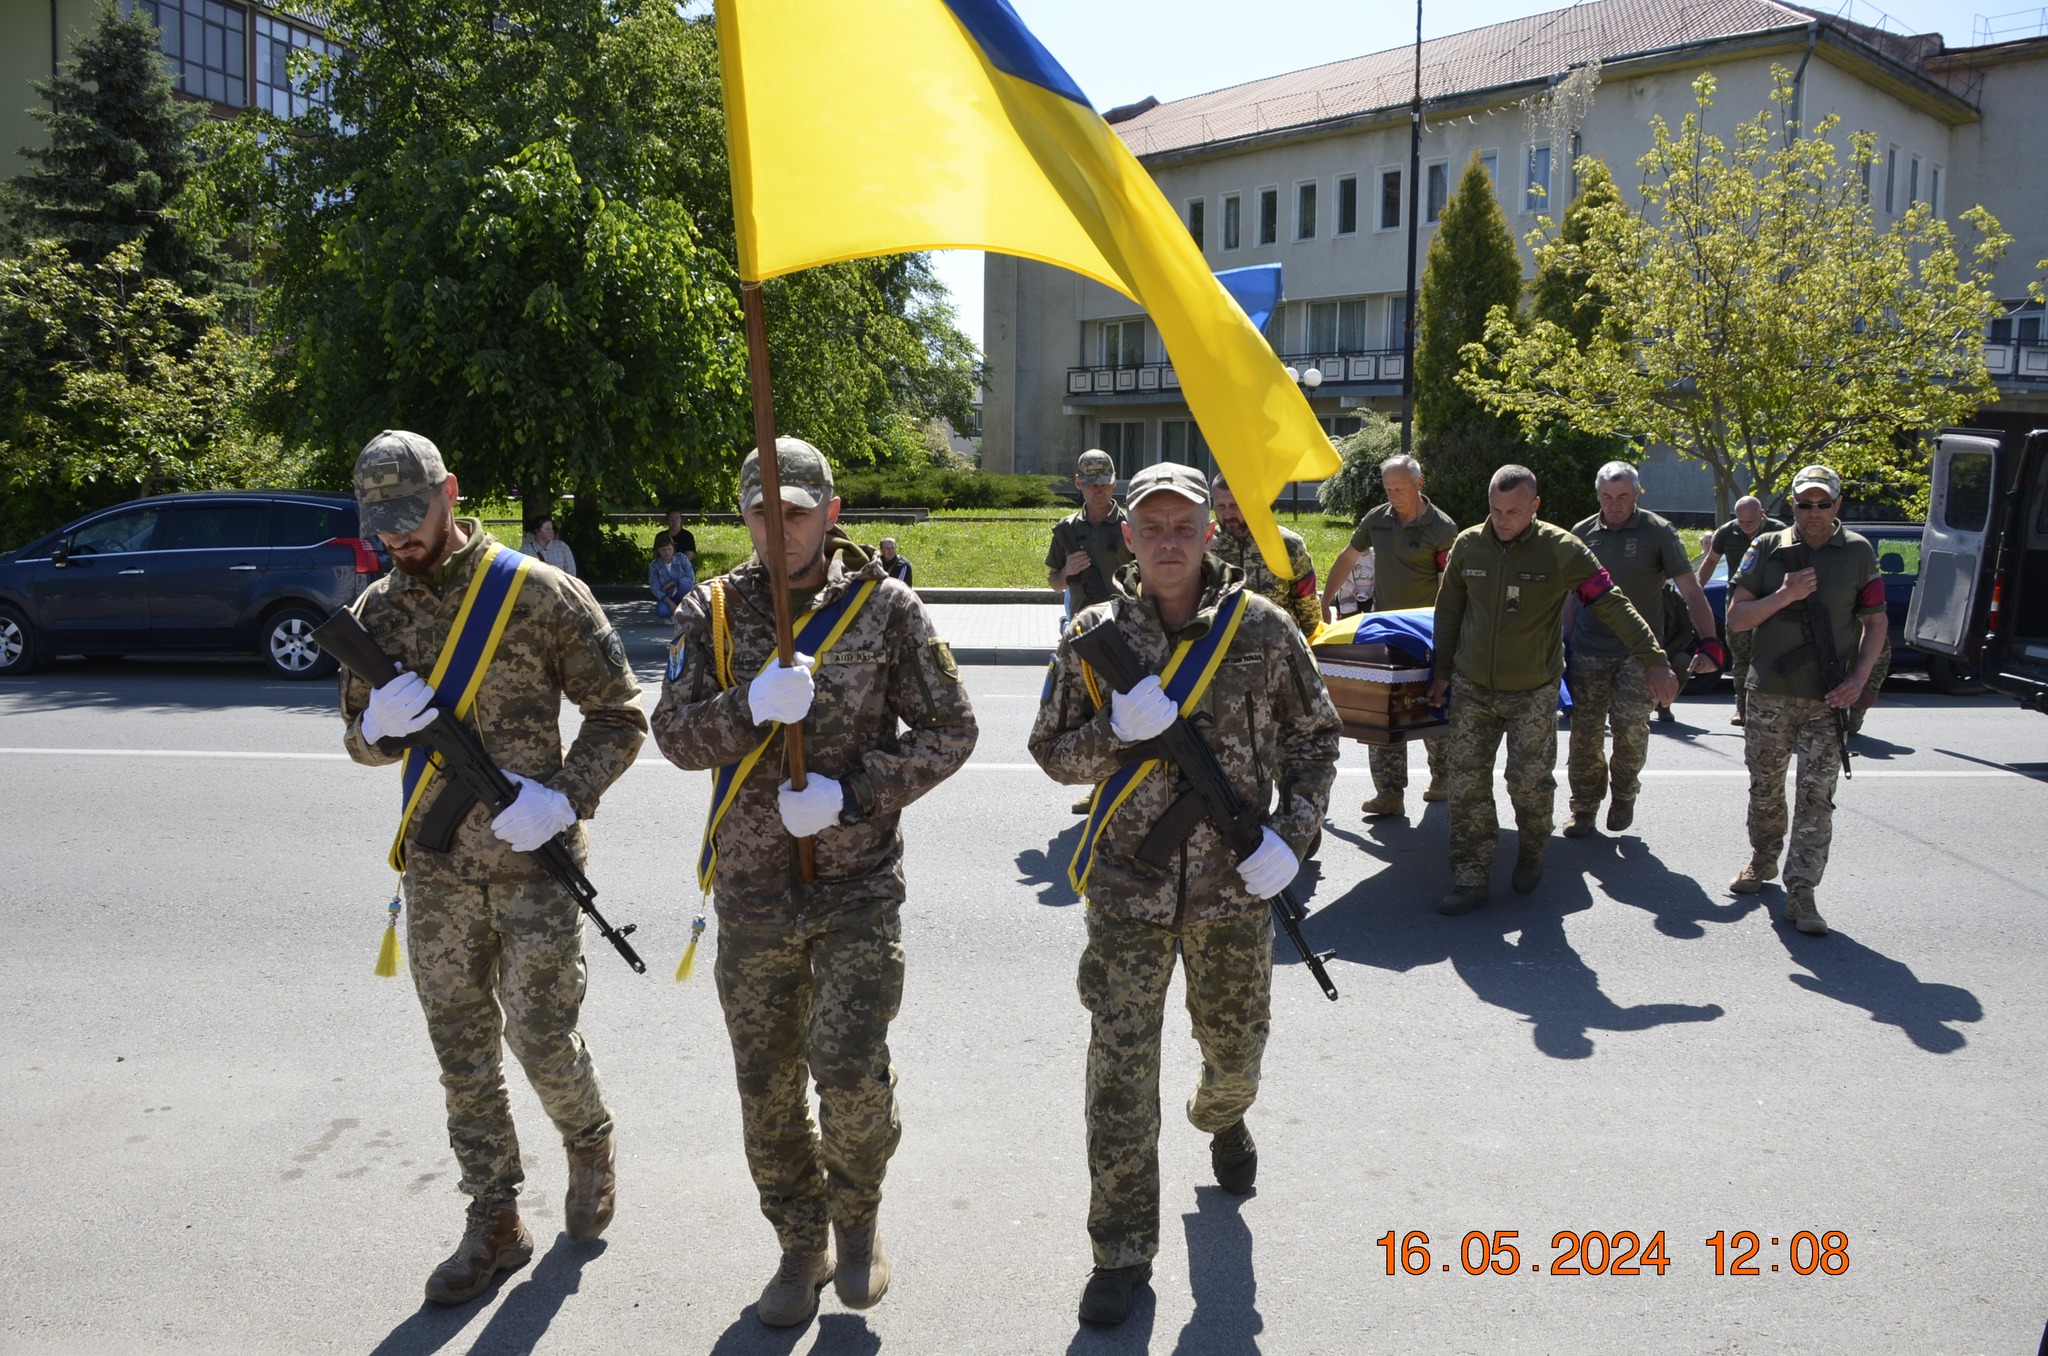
column 1731, row 541
column 1088, row 546
column 1792, row 703
column 1639, row 550
column 1410, row 540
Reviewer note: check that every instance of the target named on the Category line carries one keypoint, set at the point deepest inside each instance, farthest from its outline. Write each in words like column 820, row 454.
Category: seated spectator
column 550, row 547
column 669, row 577
column 896, row 565
column 685, row 540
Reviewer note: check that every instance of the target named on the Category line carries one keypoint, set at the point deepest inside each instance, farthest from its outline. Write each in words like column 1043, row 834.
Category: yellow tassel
column 387, row 954
column 688, row 965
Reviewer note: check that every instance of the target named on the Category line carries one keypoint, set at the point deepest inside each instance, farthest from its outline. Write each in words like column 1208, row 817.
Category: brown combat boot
column 493, row 1240
column 1620, row 814
column 1234, row 1159
column 1801, row 913
column 1752, row 877
column 1528, row 872
column 862, row 1277
column 1462, row 900
column 1385, row 805
column 791, row 1295
column 1439, row 791
column 1581, row 825
column 593, row 1187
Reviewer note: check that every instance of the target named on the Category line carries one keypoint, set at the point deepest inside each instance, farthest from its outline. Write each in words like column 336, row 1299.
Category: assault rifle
column 471, row 776
column 1819, row 628
column 1210, row 794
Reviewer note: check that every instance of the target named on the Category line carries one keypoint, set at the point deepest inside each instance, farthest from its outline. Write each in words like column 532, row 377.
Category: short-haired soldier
column 1237, row 666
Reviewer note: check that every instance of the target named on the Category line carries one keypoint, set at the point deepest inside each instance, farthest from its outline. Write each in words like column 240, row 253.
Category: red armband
column 1443, row 561
column 1305, row 587
column 1713, row 650
column 1872, row 594
column 1597, row 583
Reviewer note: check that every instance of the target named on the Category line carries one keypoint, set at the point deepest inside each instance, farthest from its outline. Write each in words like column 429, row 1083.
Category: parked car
column 222, row 572
column 1898, row 558
column 1985, row 603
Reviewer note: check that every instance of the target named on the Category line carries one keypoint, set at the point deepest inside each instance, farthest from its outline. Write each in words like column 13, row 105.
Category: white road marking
column 185, row 753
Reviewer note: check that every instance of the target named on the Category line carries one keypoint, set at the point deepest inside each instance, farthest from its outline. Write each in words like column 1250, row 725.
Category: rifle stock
column 473, row 777
column 1105, row 650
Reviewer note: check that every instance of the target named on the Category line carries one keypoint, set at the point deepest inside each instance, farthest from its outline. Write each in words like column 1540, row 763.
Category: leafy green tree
column 119, row 154
column 1757, row 318
column 1356, row 489
column 1472, row 268
column 107, row 395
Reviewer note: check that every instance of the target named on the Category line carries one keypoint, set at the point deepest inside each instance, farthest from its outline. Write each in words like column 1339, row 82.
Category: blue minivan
column 236, row 572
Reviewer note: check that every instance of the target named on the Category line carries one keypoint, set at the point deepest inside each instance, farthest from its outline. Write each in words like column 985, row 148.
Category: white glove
column 538, row 815
column 398, row 708
column 1141, row 713
column 815, row 807
column 781, row 695
column 1271, row 868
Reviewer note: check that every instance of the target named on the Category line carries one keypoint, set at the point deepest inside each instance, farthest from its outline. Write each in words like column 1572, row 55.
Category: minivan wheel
column 1954, row 679
column 287, row 645
column 17, row 643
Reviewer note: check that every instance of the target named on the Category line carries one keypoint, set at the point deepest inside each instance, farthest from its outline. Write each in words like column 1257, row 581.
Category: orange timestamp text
column 1623, row 1252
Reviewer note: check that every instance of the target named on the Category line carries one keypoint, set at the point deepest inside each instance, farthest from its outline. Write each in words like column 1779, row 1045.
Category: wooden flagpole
column 777, row 563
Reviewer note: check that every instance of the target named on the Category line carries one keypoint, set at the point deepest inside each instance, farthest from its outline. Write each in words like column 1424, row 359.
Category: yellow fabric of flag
column 886, row 126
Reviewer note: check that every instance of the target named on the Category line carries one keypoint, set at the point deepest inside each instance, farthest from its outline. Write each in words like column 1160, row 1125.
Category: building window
column 1913, row 181
column 1180, row 441
column 1891, row 179
column 1125, row 443
column 1269, row 216
column 205, row 45
column 1347, row 205
column 1305, row 211
column 1230, row 221
column 1390, row 200
column 1123, row 343
column 1436, row 190
column 276, row 90
column 1536, row 189
column 1491, row 161
column 1336, row 327
column 1934, row 189
column 1195, row 210
column 1397, row 320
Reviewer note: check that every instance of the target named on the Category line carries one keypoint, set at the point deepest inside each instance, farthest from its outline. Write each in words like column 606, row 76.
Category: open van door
column 1945, row 617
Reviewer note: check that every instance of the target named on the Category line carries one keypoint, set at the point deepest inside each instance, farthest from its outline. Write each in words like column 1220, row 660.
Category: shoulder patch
column 612, row 648
column 942, row 655
column 1750, row 558
column 677, row 653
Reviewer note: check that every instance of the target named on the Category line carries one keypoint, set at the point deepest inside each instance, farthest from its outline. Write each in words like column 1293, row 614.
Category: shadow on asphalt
column 1629, row 873
column 838, row 1335
column 1849, row 972
column 1226, row 1320
column 1512, row 954
column 1046, row 869
column 527, row 1305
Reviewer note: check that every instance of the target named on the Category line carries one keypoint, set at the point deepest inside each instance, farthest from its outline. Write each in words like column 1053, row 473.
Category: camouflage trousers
column 1608, row 693
column 1125, row 969
column 1741, row 650
column 1777, row 728
column 496, row 963
column 1390, row 765
column 813, row 1002
column 1480, row 716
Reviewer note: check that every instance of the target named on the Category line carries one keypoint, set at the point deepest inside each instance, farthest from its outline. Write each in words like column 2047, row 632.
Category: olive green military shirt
column 1295, row 595
column 1499, row 611
column 1849, row 587
column 1731, row 543
column 1638, row 556
column 1407, row 558
column 1104, row 543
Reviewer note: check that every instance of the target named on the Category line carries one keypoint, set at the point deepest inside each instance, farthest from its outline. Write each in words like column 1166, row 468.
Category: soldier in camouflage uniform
column 1272, row 727
column 496, row 945
column 1730, row 541
column 1234, row 546
column 1640, row 551
column 1410, row 540
column 810, row 973
column 1087, row 547
column 1791, row 708
column 1499, row 654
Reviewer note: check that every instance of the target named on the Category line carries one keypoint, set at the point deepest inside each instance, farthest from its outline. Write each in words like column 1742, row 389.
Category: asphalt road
column 222, row 1133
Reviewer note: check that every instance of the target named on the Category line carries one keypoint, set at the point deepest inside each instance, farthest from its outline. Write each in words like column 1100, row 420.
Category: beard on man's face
column 421, row 553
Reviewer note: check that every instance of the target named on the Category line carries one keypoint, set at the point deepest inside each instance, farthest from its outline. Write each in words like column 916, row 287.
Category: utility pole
column 1414, row 224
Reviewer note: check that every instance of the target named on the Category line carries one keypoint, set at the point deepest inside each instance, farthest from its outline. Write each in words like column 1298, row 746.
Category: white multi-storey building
column 1310, row 170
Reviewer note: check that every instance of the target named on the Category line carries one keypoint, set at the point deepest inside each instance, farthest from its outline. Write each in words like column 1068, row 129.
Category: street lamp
column 1309, row 379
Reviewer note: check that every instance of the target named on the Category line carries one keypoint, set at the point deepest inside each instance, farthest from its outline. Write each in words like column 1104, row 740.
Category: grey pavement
column 223, row 1133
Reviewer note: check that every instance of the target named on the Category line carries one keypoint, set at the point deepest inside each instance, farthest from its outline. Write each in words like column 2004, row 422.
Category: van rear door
column 1944, row 616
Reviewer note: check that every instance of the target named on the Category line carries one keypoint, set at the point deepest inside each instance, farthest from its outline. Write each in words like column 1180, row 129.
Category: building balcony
column 2022, row 363
column 1353, row 372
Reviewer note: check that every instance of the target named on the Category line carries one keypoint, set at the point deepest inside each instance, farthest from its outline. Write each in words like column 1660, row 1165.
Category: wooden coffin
column 1381, row 694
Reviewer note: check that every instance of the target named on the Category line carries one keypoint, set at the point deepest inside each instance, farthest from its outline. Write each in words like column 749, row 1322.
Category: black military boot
column 493, row 1240
column 1234, row 1158
column 1107, row 1296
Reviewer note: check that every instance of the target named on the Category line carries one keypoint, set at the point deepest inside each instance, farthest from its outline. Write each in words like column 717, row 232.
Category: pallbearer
column 1235, row 664
column 810, row 972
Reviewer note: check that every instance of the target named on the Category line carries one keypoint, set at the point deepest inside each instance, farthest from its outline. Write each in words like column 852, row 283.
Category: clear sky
column 1119, row 51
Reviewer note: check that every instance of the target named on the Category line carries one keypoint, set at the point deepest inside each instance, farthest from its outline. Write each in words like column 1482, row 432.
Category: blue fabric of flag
column 1256, row 288
column 1012, row 48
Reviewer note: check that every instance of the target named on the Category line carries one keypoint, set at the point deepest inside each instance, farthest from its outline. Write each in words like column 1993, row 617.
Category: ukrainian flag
column 865, row 127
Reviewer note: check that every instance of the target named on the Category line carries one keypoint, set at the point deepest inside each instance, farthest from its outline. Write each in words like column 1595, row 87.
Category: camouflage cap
column 1172, row 478
column 805, row 474
column 1818, row 475
column 1095, row 468
column 397, row 474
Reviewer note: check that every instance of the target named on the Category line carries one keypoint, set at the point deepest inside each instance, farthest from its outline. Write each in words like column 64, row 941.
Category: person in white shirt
column 551, row 548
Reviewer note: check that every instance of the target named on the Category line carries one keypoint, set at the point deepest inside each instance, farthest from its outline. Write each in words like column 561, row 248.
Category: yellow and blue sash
column 816, row 632
column 1186, row 678
column 465, row 657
